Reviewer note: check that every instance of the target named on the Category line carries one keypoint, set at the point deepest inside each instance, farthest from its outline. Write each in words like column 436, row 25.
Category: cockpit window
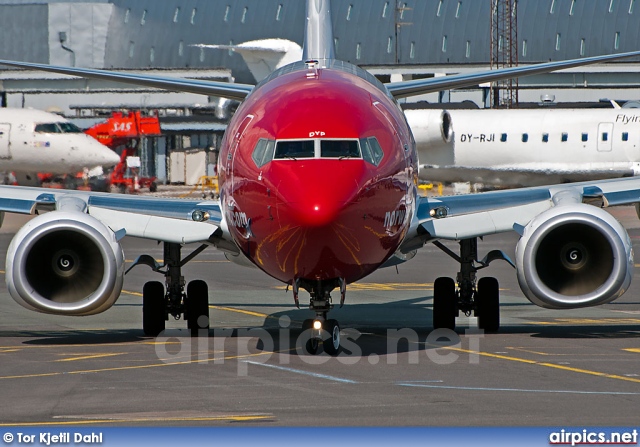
column 47, row 128
column 314, row 148
column 61, row 127
column 69, row 128
column 371, row 150
column 339, row 148
column 263, row 152
column 295, row 149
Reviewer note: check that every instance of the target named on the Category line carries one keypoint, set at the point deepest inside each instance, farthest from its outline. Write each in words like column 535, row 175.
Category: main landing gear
column 478, row 297
column 158, row 304
column 320, row 330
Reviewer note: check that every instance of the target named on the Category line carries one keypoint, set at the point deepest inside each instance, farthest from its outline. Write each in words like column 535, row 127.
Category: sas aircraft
column 33, row 141
column 526, row 147
column 315, row 118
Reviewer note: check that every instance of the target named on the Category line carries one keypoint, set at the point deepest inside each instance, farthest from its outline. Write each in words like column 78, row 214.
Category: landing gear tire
column 197, row 308
column 311, row 344
column 332, row 344
column 488, row 304
column 153, row 308
column 444, row 304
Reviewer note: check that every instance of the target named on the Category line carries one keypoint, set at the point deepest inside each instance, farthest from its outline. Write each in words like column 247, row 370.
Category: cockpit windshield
column 339, row 148
column 366, row 148
column 60, row 127
column 295, row 149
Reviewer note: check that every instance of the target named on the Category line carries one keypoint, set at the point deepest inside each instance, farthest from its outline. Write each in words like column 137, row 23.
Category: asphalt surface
column 577, row 367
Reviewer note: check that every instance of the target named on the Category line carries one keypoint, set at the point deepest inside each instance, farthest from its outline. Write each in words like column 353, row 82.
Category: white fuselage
column 35, row 141
column 529, row 147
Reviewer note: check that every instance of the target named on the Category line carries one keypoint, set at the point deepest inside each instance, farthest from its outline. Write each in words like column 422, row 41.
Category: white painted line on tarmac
column 516, row 390
column 306, row 373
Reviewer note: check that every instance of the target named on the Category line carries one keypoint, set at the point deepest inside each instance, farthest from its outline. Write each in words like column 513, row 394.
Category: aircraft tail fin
column 318, row 33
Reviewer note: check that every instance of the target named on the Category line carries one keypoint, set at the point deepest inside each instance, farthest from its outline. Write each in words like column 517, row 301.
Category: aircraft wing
column 430, row 85
column 210, row 88
column 180, row 221
column 521, row 175
column 475, row 215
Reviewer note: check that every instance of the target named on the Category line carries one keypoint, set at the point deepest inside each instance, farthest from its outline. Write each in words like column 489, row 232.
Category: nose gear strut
column 320, row 330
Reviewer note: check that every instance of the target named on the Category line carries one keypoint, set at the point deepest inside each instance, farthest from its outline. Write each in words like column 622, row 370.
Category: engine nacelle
column 65, row 263
column 574, row 256
column 433, row 131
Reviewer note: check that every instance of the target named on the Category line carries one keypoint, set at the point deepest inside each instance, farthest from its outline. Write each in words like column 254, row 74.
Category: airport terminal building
column 394, row 39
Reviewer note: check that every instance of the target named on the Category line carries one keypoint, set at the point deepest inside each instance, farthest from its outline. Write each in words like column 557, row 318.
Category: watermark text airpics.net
column 440, row 346
column 591, row 437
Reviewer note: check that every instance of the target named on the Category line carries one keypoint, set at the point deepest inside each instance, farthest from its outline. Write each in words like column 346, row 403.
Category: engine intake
column 574, row 256
column 433, row 131
column 65, row 263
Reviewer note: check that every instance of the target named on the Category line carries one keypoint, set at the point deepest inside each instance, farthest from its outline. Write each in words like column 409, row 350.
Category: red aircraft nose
column 309, row 197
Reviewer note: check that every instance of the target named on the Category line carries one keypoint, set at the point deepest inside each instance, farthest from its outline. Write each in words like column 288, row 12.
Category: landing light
column 439, row 212
column 199, row 216
column 317, row 325
column 316, row 207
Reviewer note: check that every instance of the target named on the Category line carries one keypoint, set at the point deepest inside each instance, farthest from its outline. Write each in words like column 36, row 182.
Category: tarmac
column 544, row 367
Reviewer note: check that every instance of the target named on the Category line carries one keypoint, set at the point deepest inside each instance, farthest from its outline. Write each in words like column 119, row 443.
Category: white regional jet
column 315, row 119
column 33, row 141
column 526, row 147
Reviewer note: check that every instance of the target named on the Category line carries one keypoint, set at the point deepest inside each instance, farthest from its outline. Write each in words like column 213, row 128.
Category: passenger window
column 565, row 137
column 605, row 136
column 263, row 152
column 585, row 137
column 503, row 137
column 525, row 137
column 294, row 149
column 47, row 128
column 625, row 136
column 339, row 148
column 545, row 137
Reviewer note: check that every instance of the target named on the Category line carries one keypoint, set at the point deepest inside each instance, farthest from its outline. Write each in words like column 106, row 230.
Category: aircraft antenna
column 504, row 51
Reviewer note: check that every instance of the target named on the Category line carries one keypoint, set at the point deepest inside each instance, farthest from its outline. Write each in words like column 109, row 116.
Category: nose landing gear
column 320, row 330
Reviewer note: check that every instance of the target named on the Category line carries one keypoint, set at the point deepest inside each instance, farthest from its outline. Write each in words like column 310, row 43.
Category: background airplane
column 33, row 141
column 315, row 119
column 468, row 146
column 526, row 147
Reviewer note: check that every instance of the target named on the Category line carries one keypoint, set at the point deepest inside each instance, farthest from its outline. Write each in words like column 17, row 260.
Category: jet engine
column 574, row 255
column 433, row 131
column 65, row 263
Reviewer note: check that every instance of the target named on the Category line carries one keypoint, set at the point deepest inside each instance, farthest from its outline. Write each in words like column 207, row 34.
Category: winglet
column 318, row 32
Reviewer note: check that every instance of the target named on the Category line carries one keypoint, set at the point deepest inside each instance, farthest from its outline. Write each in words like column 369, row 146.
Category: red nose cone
column 318, row 212
column 310, row 198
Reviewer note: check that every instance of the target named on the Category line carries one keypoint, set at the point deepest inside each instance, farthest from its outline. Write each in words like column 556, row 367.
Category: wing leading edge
column 210, row 88
column 397, row 89
column 430, row 85
column 168, row 220
column 476, row 215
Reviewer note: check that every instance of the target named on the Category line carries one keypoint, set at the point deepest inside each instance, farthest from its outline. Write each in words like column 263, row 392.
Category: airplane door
column 605, row 137
column 5, row 149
